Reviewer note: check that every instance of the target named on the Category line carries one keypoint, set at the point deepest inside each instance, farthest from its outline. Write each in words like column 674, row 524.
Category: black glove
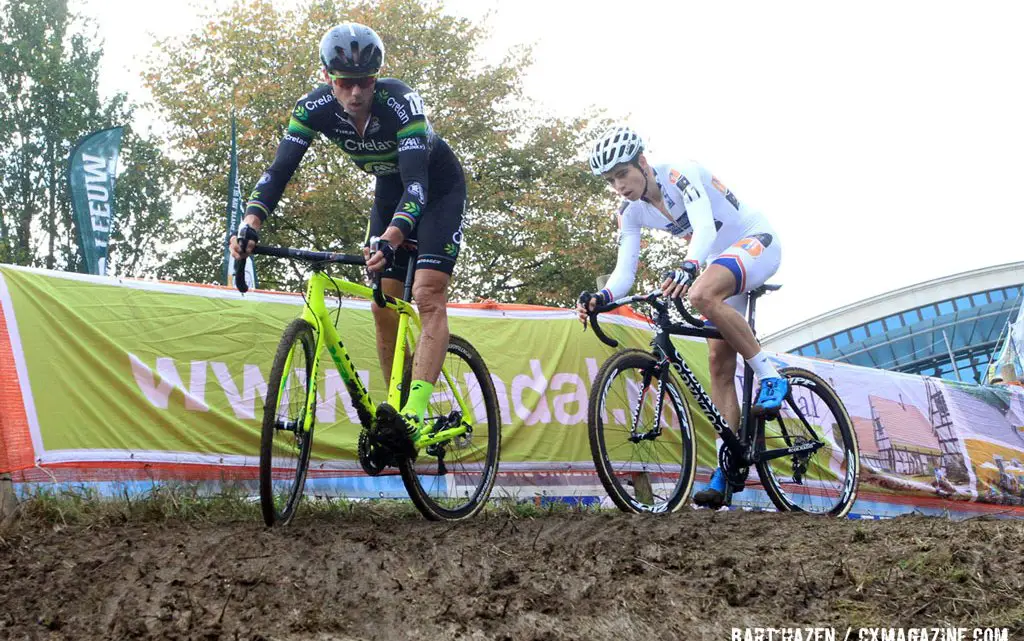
column 600, row 298
column 687, row 272
column 245, row 234
column 378, row 244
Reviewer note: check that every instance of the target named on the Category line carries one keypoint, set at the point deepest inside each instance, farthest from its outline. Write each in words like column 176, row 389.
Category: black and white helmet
column 617, row 145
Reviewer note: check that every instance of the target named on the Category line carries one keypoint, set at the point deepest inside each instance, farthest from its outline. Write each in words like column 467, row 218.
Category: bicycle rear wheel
column 642, row 471
column 286, row 442
column 452, row 480
column 823, row 478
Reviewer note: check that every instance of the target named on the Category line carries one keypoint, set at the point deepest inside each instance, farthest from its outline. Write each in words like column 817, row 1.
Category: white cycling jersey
column 706, row 213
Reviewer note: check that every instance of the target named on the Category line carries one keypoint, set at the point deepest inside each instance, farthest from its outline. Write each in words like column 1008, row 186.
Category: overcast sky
column 883, row 140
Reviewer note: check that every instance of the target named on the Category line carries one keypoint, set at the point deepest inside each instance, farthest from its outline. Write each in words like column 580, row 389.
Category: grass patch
column 84, row 506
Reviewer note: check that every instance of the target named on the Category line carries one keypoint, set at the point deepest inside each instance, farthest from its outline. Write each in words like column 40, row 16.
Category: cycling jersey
column 719, row 227
column 398, row 146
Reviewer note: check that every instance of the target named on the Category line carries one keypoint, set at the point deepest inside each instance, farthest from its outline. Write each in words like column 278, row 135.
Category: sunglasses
column 345, row 82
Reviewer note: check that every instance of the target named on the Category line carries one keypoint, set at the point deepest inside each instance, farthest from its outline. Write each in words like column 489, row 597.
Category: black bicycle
column 643, row 441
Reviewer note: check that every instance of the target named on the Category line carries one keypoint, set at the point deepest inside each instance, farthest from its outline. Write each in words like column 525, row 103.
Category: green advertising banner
column 142, row 371
column 92, row 172
column 103, row 380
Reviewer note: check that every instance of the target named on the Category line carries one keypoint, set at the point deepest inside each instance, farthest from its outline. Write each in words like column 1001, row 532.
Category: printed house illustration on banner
column 991, row 421
column 899, row 438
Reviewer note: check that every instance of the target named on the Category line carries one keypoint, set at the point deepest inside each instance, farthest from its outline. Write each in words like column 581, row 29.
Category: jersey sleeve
column 413, row 158
column 622, row 278
column 702, row 220
column 290, row 150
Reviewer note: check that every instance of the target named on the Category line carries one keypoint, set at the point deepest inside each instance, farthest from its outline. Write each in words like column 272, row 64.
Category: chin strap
column 643, row 196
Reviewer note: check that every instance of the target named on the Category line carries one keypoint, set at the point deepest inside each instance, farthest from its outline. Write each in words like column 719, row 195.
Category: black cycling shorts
column 437, row 236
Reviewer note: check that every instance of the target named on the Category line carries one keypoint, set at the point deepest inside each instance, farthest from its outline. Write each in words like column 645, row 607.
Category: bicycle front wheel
column 641, row 435
column 452, row 480
column 821, row 476
column 286, row 439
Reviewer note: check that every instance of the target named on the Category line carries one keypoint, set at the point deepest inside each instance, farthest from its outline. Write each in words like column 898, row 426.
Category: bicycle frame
column 316, row 314
column 741, row 445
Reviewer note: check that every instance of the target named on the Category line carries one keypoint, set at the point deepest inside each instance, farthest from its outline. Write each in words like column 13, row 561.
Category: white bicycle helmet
column 615, row 146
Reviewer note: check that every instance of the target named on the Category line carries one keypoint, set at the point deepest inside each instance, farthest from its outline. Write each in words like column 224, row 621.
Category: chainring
column 737, row 476
column 373, row 457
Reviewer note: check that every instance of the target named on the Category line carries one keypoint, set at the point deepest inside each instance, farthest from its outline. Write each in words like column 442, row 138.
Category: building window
column 980, row 299
column 859, row 333
column 1012, row 292
column 893, row 322
column 842, row 339
column 997, row 295
column 928, row 312
column 911, row 317
column 875, row 328
column 824, row 345
column 963, row 303
column 946, row 307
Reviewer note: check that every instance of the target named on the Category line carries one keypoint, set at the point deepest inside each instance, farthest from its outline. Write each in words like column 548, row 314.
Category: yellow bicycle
column 456, row 464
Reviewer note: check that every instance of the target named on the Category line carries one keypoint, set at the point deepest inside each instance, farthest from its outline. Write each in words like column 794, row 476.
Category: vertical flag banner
column 234, row 213
column 92, row 172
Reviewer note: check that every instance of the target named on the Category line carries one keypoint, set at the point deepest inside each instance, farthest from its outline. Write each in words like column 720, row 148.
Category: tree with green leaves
column 531, row 233
column 49, row 99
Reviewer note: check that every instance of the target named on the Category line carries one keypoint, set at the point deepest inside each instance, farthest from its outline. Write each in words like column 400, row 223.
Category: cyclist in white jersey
column 732, row 250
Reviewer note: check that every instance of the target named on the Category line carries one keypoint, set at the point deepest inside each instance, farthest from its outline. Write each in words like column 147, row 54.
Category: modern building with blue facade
column 948, row 327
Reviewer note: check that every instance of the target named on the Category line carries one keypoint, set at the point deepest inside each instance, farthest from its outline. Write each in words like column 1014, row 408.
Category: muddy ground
column 593, row 576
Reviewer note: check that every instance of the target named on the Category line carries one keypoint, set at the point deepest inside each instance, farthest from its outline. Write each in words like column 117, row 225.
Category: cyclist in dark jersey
column 420, row 195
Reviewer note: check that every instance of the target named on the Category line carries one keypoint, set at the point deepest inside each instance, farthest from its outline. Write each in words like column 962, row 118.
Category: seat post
column 751, row 305
column 410, row 273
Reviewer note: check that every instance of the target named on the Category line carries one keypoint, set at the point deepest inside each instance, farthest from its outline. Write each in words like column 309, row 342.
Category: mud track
column 566, row 576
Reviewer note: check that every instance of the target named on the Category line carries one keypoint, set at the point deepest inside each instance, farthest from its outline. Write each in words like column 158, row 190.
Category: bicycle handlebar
column 651, row 298
column 308, row 256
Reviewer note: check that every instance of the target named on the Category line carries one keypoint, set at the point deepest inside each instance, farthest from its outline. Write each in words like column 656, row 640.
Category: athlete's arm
column 698, row 207
column 622, row 278
column 413, row 158
column 268, row 190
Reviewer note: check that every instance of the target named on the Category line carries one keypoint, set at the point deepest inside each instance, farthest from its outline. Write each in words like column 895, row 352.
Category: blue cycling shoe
column 769, row 398
column 713, row 494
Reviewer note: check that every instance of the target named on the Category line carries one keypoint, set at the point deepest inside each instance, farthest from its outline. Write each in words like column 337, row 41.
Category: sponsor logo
column 319, row 102
column 457, row 236
column 430, row 261
column 264, row 179
column 296, row 140
column 381, row 96
column 681, row 226
column 399, row 110
column 410, row 143
column 381, row 168
column 411, row 207
column 751, row 245
column 731, row 197
column 369, row 145
column 373, row 127
column 673, row 176
column 416, row 190
column 300, row 112
column 451, row 249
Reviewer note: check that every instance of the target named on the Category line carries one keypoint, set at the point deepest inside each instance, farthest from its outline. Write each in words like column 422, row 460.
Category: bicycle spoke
column 642, row 435
column 819, row 481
